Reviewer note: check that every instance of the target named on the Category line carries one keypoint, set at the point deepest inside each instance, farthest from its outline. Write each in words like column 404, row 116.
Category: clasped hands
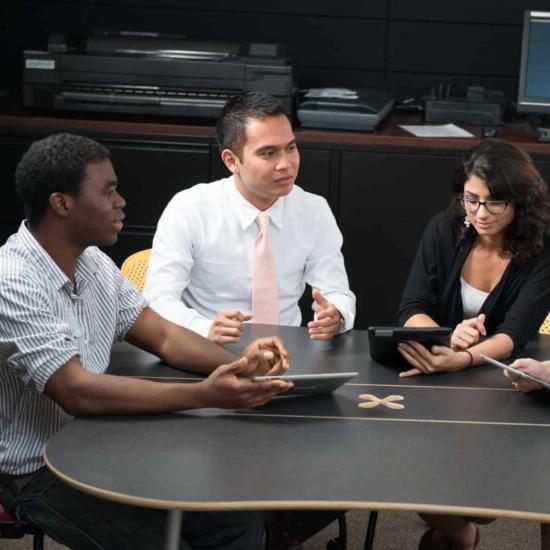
column 229, row 385
column 227, row 327
column 444, row 358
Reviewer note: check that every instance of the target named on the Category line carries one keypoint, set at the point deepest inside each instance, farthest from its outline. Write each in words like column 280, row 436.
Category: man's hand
column 223, row 389
column 438, row 359
column 327, row 323
column 532, row 367
column 266, row 357
column 227, row 327
column 468, row 333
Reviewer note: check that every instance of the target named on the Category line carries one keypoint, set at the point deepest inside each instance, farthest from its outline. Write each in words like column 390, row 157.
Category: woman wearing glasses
column 482, row 268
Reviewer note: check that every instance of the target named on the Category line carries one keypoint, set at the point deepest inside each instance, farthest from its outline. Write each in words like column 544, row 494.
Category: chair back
column 10, row 528
column 134, row 268
column 5, row 517
column 545, row 327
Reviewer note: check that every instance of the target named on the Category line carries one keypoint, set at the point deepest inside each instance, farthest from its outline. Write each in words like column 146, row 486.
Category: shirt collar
column 86, row 266
column 247, row 213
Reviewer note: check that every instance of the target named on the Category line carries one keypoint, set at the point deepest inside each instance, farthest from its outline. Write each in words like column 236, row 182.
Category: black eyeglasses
column 493, row 207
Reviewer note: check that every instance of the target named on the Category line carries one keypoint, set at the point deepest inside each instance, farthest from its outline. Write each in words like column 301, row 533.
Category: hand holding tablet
column 383, row 341
column 516, row 372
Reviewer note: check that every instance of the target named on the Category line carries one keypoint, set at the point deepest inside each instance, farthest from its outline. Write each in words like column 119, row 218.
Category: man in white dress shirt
column 200, row 272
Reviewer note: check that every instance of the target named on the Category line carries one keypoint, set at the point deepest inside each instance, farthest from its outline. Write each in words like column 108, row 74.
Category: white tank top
column 472, row 299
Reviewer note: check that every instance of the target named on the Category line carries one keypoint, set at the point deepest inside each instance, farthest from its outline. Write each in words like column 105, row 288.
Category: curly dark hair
column 55, row 164
column 510, row 175
column 231, row 125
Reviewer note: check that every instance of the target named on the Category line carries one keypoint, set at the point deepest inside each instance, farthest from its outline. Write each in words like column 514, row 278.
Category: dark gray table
column 466, row 443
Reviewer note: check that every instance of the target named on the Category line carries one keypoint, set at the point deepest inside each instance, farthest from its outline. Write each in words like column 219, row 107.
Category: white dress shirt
column 203, row 248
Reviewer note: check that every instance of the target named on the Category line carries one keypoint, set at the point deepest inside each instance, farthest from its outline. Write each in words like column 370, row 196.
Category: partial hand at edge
column 532, row 367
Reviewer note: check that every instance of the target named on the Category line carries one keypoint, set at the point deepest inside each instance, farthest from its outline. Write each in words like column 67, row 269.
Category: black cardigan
column 516, row 306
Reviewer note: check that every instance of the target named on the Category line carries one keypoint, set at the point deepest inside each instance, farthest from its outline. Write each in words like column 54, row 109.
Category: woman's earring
column 467, row 221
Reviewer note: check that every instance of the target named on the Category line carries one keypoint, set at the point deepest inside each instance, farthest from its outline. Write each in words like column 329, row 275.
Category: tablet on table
column 311, row 384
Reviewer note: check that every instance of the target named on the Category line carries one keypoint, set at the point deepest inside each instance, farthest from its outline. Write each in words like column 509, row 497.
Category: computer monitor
column 534, row 77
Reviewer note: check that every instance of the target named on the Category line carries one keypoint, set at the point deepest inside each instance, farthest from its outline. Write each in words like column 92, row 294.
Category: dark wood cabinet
column 11, row 149
column 130, row 240
column 386, row 199
column 543, row 167
column 151, row 173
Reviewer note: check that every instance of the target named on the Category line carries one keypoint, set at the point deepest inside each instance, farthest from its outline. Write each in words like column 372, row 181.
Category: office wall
column 408, row 46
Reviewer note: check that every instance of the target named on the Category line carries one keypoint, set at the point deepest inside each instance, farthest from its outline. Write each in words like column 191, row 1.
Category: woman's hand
column 468, row 333
column 532, row 367
column 438, row 359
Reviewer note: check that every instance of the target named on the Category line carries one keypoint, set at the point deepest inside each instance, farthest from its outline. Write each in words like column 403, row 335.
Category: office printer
column 151, row 74
column 344, row 109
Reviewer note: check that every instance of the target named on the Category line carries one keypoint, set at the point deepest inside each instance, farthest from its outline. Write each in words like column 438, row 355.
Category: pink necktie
column 265, row 307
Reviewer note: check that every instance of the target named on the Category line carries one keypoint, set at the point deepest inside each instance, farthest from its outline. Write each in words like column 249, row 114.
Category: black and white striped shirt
column 44, row 322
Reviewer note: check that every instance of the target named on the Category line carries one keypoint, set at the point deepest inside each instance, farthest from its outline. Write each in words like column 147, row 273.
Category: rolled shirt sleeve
column 130, row 305
column 34, row 342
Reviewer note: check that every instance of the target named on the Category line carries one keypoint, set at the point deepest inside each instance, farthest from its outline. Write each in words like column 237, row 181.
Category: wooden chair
column 545, row 327
column 10, row 528
column 134, row 268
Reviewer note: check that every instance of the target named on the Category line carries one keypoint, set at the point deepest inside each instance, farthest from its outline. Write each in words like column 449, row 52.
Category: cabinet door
column 129, row 241
column 386, row 200
column 11, row 208
column 151, row 173
column 544, row 169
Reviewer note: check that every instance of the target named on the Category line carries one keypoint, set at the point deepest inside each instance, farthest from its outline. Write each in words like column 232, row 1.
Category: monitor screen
column 534, row 78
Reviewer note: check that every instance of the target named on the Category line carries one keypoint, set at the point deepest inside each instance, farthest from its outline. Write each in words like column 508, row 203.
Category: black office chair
column 340, row 542
column 10, row 528
column 371, row 529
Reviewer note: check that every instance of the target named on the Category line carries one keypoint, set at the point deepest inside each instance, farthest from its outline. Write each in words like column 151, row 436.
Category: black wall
column 407, row 46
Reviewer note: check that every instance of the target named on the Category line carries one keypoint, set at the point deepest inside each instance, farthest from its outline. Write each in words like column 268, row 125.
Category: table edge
column 217, row 506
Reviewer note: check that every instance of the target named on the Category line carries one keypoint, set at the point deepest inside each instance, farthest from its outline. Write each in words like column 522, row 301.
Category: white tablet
column 311, row 384
column 516, row 372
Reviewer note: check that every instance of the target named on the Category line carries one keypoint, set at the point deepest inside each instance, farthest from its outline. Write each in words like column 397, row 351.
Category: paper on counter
column 437, row 130
column 332, row 93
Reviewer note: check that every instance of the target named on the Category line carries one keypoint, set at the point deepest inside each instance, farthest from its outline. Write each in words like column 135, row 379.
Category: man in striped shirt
column 62, row 305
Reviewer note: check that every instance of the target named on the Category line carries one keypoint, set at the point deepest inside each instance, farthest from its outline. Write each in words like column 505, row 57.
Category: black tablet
column 383, row 340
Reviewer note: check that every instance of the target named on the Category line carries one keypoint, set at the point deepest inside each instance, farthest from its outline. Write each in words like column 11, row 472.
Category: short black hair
column 239, row 109
column 55, row 164
column 510, row 175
